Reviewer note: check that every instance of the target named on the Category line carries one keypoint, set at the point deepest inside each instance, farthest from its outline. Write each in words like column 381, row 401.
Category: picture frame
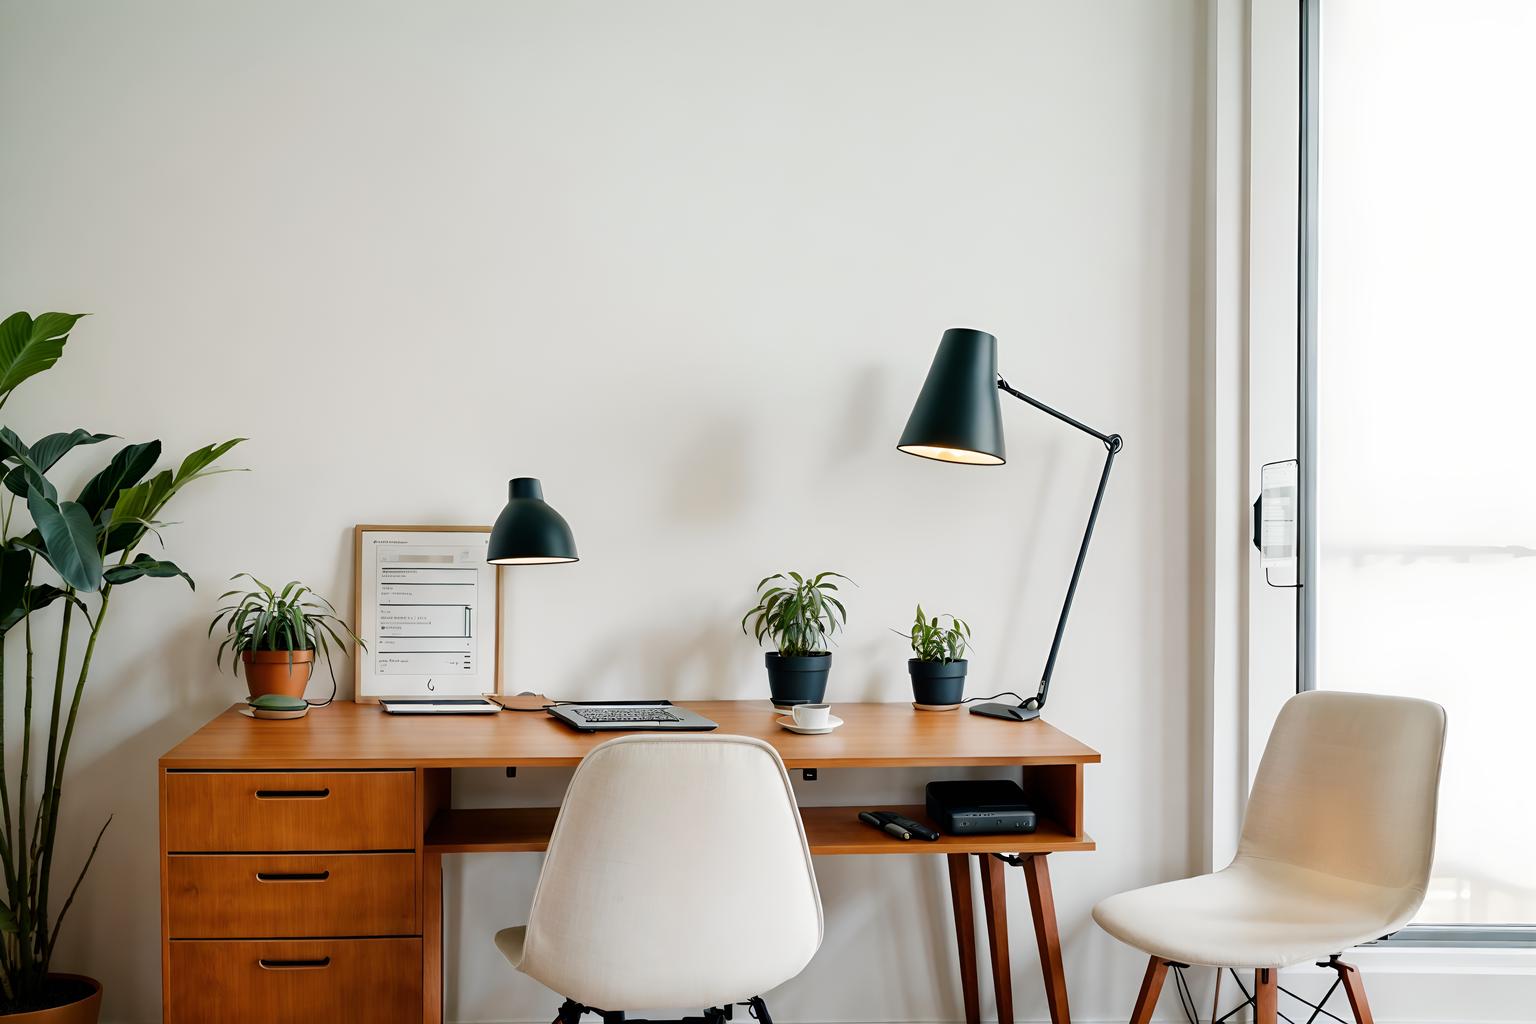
column 426, row 643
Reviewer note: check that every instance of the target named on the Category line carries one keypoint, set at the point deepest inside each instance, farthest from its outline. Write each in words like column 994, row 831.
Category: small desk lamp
column 957, row 419
column 528, row 531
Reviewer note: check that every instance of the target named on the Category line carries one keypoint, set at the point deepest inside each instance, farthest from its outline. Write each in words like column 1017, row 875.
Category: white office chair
column 678, row 875
column 1336, row 850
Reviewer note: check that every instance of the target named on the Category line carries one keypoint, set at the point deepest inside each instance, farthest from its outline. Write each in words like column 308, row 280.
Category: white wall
column 687, row 262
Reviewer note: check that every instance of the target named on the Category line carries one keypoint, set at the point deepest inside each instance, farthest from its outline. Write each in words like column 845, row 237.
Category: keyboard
column 608, row 716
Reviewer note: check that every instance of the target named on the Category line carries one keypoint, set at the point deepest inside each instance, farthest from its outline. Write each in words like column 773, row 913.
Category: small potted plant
column 276, row 635
column 800, row 614
column 938, row 661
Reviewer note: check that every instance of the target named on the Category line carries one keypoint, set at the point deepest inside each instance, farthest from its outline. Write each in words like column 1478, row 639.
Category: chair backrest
column 678, row 876
column 1348, row 786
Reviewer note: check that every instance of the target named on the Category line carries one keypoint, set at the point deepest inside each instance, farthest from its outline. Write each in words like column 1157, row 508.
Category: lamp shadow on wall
column 1022, row 652
column 865, row 428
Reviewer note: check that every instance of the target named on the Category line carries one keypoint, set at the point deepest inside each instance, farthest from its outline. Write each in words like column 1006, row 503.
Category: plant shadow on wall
column 76, row 553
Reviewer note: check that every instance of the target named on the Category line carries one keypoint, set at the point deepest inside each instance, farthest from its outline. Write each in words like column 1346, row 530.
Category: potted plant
column 76, row 553
column 800, row 614
column 938, row 664
column 276, row 635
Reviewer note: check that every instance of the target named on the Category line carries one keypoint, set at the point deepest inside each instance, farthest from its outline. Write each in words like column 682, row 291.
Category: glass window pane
column 1426, row 496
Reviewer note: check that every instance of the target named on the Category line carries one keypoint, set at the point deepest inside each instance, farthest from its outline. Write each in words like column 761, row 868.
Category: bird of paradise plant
column 75, row 552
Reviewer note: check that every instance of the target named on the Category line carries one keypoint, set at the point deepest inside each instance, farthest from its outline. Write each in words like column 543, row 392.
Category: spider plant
column 932, row 641
column 798, row 612
column 295, row 618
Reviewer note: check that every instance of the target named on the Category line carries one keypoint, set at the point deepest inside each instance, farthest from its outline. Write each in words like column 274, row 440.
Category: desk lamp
column 528, row 531
column 957, row 419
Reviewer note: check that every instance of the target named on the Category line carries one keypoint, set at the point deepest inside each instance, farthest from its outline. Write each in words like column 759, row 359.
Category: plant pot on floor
column 284, row 672
column 797, row 678
column 83, row 1007
column 937, row 685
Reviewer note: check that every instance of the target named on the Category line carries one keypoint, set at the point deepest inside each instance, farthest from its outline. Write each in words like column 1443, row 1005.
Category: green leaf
column 127, row 468
column 15, row 568
column 46, row 453
column 17, row 450
column 28, row 347
column 194, row 464
column 137, row 502
column 69, row 537
column 7, row 919
column 144, row 565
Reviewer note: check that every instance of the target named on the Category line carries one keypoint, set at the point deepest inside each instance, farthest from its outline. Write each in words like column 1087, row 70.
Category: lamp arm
column 1108, row 439
column 1112, row 445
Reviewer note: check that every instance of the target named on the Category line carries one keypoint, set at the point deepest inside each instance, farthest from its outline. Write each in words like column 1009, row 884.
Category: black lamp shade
column 528, row 531
column 956, row 418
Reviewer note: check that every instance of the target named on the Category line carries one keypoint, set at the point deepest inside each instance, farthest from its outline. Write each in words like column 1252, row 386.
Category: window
column 1422, row 403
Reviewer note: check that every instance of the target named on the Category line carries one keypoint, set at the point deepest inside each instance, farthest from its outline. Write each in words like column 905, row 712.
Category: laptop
column 631, row 716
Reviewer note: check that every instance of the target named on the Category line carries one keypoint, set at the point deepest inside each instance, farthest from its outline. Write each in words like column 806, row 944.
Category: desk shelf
column 830, row 830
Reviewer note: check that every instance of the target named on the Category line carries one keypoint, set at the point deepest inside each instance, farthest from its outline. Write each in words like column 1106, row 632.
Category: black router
column 982, row 807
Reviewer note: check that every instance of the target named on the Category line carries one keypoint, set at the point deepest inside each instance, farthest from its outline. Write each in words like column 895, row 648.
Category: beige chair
column 678, row 875
column 1335, row 851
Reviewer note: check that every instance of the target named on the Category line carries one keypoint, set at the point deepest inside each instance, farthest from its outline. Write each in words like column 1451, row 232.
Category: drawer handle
column 293, row 794
column 292, row 876
column 295, row 965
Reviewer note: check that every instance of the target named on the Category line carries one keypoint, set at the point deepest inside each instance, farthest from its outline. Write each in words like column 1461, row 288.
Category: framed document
column 429, row 609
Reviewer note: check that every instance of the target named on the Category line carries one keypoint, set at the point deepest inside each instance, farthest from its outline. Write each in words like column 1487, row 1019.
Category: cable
column 1005, row 693
column 1186, row 998
column 328, row 700
column 540, row 708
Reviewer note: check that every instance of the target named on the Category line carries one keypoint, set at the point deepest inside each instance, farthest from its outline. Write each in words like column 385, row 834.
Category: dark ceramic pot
column 83, row 1007
column 797, row 678
column 937, row 683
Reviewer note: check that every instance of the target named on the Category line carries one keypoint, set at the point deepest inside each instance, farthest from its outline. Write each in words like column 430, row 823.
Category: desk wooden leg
column 994, row 898
column 432, row 937
column 1042, row 906
column 965, row 932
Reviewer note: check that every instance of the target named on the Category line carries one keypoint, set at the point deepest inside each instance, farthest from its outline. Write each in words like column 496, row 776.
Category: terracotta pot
column 272, row 671
column 81, row 1011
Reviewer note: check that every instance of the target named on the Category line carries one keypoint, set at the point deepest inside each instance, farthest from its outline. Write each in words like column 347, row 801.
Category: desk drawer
column 208, row 812
column 231, row 897
column 306, row 982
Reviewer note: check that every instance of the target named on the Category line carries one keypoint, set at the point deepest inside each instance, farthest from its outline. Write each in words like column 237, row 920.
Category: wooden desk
column 301, row 862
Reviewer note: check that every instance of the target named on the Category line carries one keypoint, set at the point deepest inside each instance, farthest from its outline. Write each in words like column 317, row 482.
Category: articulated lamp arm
column 1112, row 444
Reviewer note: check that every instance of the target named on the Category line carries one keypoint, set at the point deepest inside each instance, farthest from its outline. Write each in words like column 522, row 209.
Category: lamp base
column 1010, row 712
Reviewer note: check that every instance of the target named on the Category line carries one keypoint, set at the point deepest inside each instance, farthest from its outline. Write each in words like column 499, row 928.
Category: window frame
column 1478, row 936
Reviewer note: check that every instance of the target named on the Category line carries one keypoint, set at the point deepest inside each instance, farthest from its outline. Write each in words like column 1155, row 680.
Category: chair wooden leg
column 1354, row 987
column 1042, row 906
column 1266, row 995
column 994, row 898
column 1151, row 988
column 965, row 932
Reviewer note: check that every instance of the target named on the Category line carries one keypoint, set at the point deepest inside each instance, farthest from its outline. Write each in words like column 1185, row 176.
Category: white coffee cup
column 811, row 716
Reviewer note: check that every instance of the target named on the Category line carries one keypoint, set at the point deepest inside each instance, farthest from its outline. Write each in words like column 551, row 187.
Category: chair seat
column 1255, row 913
column 510, row 942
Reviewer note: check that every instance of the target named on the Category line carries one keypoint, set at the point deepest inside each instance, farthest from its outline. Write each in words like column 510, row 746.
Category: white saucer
column 788, row 722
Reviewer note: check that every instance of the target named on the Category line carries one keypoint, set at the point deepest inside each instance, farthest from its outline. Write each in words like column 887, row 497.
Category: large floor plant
column 76, row 553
